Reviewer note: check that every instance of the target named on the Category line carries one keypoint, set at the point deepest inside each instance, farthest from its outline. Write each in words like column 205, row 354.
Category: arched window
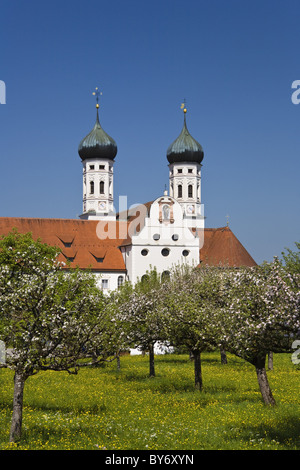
column 190, row 190
column 101, row 187
column 179, row 190
column 120, row 281
column 145, row 278
column 91, row 187
column 165, row 276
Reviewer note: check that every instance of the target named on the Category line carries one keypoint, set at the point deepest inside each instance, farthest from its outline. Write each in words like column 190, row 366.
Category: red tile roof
column 84, row 242
column 221, row 247
column 78, row 239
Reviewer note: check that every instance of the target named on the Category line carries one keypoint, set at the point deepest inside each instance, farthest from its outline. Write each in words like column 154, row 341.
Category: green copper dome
column 185, row 148
column 97, row 144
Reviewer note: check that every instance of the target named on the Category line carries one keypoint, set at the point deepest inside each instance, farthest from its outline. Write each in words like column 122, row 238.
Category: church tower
column 97, row 151
column 185, row 155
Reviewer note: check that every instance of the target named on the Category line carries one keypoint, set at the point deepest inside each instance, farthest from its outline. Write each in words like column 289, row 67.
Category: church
column 159, row 234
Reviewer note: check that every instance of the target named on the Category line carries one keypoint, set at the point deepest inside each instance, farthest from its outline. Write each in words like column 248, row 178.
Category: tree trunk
column 263, row 382
column 223, row 356
column 151, row 360
column 197, row 369
column 16, row 422
column 270, row 361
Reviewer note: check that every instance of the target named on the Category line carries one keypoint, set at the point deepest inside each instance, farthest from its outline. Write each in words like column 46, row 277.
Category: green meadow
column 106, row 408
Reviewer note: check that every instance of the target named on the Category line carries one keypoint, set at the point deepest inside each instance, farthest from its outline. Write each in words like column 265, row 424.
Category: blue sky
column 233, row 61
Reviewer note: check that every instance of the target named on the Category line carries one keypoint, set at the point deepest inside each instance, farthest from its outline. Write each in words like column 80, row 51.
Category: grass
column 105, row 408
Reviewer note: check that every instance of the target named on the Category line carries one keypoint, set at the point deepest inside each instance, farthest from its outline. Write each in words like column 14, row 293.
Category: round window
column 185, row 253
column 144, row 252
column 175, row 237
column 156, row 236
column 165, row 251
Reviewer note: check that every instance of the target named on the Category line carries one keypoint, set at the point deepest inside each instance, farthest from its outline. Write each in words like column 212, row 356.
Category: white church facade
column 165, row 237
column 159, row 234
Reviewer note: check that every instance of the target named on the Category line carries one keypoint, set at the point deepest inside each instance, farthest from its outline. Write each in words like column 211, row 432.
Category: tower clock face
column 102, row 205
column 191, row 209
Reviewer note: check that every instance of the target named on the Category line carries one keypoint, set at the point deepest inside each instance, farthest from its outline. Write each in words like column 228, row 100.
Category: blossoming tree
column 261, row 315
column 50, row 318
column 139, row 310
column 192, row 301
column 291, row 259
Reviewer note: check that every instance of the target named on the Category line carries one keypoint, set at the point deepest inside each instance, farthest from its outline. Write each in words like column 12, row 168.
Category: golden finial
column 97, row 93
column 183, row 106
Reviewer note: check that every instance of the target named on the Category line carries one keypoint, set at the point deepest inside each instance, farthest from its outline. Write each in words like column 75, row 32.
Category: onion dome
column 185, row 148
column 97, row 144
